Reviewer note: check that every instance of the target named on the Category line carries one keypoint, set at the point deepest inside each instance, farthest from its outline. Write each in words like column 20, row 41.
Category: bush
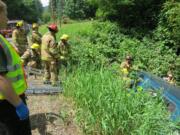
column 169, row 26
column 106, row 44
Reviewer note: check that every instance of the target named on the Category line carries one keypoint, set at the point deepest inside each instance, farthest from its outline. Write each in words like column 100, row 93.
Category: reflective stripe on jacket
column 14, row 67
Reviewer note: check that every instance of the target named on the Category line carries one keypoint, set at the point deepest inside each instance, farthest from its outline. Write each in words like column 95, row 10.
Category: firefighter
column 64, row 49
column 170, row 78
column 36, row 36
column 19, row 38
column 126, row 66
column 48, row 55
column 14, row 113
column 31, row 57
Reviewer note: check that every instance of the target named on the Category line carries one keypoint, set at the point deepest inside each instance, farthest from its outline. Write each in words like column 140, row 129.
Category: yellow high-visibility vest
column 15, row 71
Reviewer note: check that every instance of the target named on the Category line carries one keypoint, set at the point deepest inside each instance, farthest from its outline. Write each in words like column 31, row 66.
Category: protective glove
column 22, row 111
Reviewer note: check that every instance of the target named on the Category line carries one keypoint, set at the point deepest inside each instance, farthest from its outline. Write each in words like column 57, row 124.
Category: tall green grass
column 106, row 107
column 71, row 29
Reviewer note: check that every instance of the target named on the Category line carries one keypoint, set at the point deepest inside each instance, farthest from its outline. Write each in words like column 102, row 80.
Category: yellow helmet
column 64, row 37
column 35, row 46
column 19, row 24
column 35, row 25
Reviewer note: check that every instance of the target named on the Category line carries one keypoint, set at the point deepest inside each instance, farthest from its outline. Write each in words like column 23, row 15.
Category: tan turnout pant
column 50, row 68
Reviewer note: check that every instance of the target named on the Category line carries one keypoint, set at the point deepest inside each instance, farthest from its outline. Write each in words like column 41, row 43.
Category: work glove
column 22, row 111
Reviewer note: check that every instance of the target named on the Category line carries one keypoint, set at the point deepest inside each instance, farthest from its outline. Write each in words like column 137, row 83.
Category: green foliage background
column 147, row 30
column 131, row 13
column 28, row 10
column 169, row 26
column 105, row 44
column 79, row 9
column 137, row 17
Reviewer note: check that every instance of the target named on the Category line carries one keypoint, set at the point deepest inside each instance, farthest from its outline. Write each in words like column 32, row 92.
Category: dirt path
column 52, row 115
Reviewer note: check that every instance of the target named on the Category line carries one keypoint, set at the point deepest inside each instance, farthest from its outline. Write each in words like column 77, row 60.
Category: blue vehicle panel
column 170, row 92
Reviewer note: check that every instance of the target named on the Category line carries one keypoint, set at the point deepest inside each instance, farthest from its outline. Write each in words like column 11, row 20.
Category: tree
column 131, row 13
column 46, row 16
column 33, row 10
column 75, row 9
column 28, row 10
column 53, row 8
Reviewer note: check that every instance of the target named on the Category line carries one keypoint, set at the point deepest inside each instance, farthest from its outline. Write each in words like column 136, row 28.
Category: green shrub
column 169, row 25
column 106, row 44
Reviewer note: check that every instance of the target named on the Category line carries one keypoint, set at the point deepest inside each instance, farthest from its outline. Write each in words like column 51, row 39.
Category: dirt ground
column 52, row 115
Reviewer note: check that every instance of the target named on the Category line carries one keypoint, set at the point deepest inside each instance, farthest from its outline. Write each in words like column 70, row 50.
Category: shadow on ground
column 41, row 120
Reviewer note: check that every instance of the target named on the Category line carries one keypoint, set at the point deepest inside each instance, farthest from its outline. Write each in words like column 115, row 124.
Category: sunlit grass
column 106, row 107
column 71, row 29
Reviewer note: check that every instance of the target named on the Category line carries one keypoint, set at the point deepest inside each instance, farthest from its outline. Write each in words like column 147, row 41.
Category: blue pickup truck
column 171, row 93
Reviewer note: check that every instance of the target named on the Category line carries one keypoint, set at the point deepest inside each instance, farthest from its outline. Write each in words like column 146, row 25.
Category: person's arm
column 14, row 38
column 30, row 42
column 25, row 57
column 122, row 65
column 7, row 91
column 25, row 37
column 53, row 48
column 37, row 36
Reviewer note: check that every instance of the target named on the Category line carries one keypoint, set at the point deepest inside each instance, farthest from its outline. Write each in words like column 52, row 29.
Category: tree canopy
column 75, row 9
column 131, row 12
column 28, row 10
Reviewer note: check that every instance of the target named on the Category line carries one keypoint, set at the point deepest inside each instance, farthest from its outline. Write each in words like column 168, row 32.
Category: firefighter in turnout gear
column 31, row 57
column 170, row 78
column 125, row 70
column 14, row 113
column 36, row 36
column 48, row 55
column 126, row 66
column 19, row 38
column 64, row 49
